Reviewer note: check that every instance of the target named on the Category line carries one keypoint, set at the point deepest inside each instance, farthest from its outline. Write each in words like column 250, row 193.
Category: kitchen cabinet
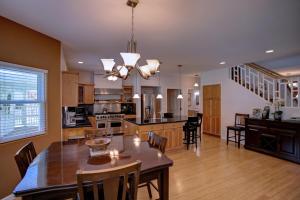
column 70, row 89
column 74, row 133
column 127, row 94
column 86, row 93
column 172, row 131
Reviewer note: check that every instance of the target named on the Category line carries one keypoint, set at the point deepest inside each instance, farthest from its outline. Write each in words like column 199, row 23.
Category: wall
column 235, row 98
column 23, row 46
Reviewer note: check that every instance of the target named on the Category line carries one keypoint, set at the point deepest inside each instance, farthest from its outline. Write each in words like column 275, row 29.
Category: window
column 22, row 102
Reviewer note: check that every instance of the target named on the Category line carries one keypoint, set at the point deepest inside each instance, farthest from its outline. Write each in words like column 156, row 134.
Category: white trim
column 6, row 64
column 19, row 137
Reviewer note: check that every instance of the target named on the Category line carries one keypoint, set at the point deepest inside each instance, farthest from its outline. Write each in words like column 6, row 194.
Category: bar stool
column 200, row 116
column 190, row 131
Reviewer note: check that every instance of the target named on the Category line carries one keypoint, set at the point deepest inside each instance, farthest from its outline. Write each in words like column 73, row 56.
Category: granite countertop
column 140, row 122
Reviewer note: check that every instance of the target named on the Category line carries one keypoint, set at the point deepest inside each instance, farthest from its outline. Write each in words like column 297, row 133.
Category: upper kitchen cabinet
column 86, row 93
column 70, row 88
column 101, row 82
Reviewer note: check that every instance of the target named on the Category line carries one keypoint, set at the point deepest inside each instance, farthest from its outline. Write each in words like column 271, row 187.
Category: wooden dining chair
column 159, row 143
column 238, row 128
column 24, row 157
column 112, row 180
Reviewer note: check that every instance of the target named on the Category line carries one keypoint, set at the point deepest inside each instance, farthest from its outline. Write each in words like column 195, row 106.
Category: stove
column 110, row 122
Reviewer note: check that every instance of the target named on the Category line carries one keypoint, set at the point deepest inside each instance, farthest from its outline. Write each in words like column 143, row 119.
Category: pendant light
column 196, row 81
column 179, row 73
column 159, row 95
column 136, row 94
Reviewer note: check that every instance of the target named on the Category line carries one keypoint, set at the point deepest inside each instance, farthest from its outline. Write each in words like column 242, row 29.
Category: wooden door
column 212, row 109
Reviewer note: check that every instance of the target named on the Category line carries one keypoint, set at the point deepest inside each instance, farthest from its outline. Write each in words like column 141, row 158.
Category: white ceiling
column 196, row 33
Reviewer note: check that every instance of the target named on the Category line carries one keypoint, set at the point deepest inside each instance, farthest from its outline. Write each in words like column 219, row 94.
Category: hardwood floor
column 216, row 171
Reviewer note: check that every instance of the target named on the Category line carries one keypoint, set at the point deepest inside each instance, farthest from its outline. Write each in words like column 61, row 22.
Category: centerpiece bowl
column 98, row 144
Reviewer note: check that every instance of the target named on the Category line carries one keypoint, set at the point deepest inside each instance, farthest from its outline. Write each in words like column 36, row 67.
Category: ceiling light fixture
column 80, row 62
column 131, row 57
column 269, row 51
column 179, row 78
column 222, row 63
column 196, row 84
column 159, row 95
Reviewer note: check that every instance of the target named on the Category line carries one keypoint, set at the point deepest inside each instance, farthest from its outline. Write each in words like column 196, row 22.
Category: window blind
column 22, row 102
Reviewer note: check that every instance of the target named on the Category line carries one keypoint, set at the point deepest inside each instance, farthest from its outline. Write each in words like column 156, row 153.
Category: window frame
column 42, row 100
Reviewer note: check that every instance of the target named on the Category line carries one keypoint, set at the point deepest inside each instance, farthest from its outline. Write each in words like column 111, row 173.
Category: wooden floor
column 216, row 171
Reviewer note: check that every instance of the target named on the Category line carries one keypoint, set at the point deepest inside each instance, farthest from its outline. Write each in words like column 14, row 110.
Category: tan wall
column 24, row 46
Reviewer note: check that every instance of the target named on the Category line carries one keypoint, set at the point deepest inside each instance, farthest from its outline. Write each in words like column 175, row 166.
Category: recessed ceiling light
column 270, row 51
column 222, row 63
column 80, row 62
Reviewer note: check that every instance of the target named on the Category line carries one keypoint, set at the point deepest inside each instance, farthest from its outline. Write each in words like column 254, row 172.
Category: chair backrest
column 24, row 157
column 112, row 179
column 92, row 133
column 157, row 141
column 168, row 115
column 200, row 116
column 240, row 119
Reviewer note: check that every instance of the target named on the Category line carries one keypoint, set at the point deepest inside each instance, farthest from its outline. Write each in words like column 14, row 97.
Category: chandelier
column 130, row 58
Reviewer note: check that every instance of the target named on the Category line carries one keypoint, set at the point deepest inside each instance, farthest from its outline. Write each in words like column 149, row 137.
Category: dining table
column 52, row 174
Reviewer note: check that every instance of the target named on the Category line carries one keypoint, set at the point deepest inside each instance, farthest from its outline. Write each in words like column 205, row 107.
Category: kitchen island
column 171, row 128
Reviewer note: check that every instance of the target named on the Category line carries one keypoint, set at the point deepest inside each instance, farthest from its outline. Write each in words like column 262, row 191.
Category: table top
column 140, row 122
column 56, row 166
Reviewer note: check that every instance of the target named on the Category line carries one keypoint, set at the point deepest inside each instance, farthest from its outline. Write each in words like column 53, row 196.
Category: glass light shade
column 144, row 71
column 123, row 71
column 153, row 65
column 196, row 93
column 159, row 96
column 130, row 59
column 180, row 96
column 136, row 96
column 112, row 78
column 108, row 64
column 196, row 85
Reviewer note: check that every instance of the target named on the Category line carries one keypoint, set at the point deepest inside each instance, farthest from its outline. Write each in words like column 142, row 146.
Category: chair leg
column 227, row 136
column 195, row 138
column 149, row 190
column 239, row 138
column 235, row 136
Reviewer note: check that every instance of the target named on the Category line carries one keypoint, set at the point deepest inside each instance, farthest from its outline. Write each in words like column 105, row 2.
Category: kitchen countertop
column 78, row 126
column 140, row 122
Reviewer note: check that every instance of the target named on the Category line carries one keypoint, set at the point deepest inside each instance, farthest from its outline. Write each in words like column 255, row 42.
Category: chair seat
column 236, row 128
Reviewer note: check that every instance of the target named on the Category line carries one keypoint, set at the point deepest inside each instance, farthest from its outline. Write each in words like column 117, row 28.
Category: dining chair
column 200, row 117
column 24, row 157
column 157, row 142
column 238, row 128
column 112, row 179
column 190, row 131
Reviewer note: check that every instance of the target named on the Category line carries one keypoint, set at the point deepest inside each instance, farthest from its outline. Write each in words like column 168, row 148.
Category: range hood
column 104, row 91
column 103, row 95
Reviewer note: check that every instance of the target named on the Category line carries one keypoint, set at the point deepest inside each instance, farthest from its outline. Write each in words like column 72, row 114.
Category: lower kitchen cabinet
column 172, row 131
column 73, row 133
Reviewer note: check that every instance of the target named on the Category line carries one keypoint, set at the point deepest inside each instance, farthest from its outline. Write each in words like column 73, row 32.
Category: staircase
column 267, row 84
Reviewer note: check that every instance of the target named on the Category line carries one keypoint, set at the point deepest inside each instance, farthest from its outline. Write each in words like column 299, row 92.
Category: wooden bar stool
column 238, row 128
column 190, row 131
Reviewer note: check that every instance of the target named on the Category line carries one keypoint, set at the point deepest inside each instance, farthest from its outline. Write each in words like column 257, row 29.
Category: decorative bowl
column 98, row 144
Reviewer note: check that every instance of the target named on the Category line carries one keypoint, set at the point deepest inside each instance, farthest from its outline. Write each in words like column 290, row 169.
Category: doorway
column 173, row 104
column 212, row 110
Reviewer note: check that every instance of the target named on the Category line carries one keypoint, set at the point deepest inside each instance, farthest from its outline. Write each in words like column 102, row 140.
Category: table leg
column 164, row 184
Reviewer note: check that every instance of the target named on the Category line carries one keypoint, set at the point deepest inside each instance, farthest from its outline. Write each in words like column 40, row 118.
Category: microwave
column 128, row 108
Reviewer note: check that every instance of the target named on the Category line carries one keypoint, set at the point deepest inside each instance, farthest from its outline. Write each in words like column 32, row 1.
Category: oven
column 110, row 123
column 116, row 125
column 101, row 124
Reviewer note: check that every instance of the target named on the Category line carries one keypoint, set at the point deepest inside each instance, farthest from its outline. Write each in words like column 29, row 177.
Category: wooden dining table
column 52, row 174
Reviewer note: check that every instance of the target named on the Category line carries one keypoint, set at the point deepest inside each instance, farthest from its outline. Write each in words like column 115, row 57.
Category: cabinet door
column 88, row 94
column 287, row 143
column 69, row 89
column 252, row 137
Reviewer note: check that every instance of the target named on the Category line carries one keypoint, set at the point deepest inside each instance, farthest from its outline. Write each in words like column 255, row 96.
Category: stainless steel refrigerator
column 150, row 106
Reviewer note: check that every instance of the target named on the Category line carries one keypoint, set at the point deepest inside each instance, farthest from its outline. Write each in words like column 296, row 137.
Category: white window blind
column 22, row 102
